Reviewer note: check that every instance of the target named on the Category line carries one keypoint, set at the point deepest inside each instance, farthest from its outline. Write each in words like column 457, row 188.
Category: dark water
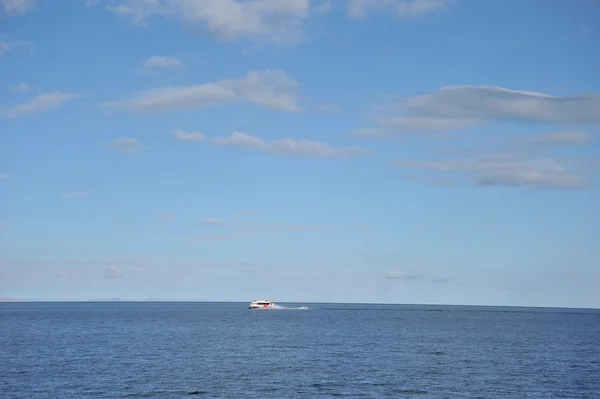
column 209, row 350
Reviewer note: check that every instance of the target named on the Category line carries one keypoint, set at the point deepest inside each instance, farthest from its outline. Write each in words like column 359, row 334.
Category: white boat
column 261, row 304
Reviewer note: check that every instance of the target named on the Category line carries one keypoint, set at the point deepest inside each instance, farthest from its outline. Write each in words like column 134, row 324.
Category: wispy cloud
column 4, row 176
column 18, row 6
column 7, row 44
column 162, row 62
column 397, row 275
column 505, row 169
column 542, row 161
column 457, row 107
column 285, row 146
column 265, row 21
column 273, row 21
column 21, row 87
column 112, row 272
column 268, row 89
column 567, row 138
column 127, row 145
column 76, row 194
column 219, row 237
column 399, row 8
column 193, row 136
column 293, row 227
column 119, row 264
column 3, row 223
column 243, row 229
column 407, row 277
column 41, row 103
column 212, row 221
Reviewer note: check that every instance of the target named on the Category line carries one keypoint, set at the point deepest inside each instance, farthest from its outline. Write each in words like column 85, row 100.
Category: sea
column 66, row 350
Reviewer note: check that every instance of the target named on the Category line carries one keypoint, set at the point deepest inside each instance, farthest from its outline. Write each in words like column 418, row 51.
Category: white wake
column 280, row 307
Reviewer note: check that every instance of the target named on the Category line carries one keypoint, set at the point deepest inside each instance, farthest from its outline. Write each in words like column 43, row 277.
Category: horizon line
column 166, row 300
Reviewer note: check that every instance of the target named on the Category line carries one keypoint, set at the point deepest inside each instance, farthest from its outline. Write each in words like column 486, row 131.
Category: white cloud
column 161, row 62
column 508, row 170
column 269, row 89
column 400, row 8
column 75, row 194
column 127, row 145
column 271, row 20
column 41, row 103
column 194, row 136
column 18, row 6
column 3, row 223
column 285, row 146
column 140, row 11
column 21, row 87
column 6, row 44
column 560, row 139
column 112, row 273
column 461, row 106
column 4, row 175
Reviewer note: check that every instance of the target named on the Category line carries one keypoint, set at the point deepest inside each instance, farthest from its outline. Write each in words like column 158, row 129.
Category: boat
column 261, row 304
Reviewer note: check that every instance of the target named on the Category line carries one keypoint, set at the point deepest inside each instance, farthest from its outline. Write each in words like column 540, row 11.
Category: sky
column 393, row 151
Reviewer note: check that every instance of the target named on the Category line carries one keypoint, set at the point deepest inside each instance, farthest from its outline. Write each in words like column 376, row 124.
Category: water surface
column 224, row 350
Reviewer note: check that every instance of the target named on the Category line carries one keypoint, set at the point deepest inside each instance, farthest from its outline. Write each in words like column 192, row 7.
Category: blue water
column 224, row 350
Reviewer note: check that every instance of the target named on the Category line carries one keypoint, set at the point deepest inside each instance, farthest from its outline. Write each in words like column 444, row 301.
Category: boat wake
column 280, row 307
column 267, row 304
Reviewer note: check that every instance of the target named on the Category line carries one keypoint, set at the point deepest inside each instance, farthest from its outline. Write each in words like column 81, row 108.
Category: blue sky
column 424, row 151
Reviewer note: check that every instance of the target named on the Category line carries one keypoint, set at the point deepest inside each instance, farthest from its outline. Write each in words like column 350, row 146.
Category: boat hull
column 261, row 305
